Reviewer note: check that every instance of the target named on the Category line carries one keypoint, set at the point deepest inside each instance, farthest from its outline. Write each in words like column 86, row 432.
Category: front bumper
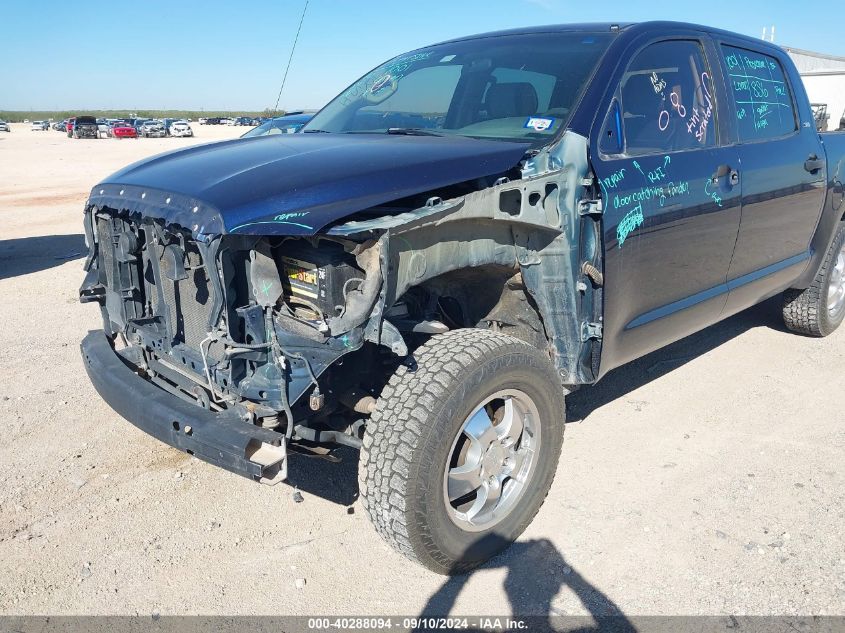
column 222, row 439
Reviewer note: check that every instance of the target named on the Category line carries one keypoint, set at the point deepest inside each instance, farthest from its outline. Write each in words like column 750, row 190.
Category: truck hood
column 295, row 184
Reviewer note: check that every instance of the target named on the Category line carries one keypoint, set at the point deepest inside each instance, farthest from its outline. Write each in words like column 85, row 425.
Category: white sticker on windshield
column 539, row 124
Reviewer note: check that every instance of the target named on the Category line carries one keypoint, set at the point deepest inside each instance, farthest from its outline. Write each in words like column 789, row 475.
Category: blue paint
column 677, row 306
column 769, row 270
column 250, row 184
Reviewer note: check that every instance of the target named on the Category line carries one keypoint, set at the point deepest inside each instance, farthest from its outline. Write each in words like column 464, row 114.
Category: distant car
column 280, row 125
column 227, row 121
column 36, row 126
column 180, row 128
column 214, row 120
column 4, row 127
column 202, row 120
column 153, row 129
column 167, row 123
column 85, row 127
column 60, row 126
column 102, row 128
column 122, row 129
column 137, row 123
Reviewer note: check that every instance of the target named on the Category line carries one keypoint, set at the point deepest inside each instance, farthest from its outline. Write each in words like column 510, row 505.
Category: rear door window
column 667, row 100
column 764, row 105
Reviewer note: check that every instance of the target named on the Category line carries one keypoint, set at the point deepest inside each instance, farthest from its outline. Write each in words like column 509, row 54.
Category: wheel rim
column 491, row 460
column 836, row 289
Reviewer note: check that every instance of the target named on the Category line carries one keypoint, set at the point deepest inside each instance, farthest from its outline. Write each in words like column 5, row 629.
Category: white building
column 824, row 79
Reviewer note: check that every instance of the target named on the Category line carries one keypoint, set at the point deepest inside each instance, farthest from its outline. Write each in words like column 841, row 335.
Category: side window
column 667, row 99
column 764, row 106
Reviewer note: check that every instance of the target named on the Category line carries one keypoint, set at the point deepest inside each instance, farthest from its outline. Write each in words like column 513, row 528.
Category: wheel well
column 488, row 297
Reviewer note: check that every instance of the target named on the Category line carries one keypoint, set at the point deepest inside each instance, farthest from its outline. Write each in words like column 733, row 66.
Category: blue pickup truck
column 463, row 236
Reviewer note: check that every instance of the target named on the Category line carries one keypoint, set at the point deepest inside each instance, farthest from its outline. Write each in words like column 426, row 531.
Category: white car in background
column 4, row 127
column 39, row 126
column 180, row 128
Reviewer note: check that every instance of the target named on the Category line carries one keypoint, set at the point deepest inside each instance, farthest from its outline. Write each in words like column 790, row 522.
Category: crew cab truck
column 463, row 236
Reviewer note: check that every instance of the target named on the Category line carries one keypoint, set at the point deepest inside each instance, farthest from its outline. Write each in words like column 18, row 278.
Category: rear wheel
column 820, row 309
column 459, row 454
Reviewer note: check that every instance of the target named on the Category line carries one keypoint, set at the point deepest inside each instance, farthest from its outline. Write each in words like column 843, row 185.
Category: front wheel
column 820, row 309
column 460, row 453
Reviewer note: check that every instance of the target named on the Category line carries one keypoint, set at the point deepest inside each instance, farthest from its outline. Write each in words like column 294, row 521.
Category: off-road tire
column 408, row 441
column 805, row 311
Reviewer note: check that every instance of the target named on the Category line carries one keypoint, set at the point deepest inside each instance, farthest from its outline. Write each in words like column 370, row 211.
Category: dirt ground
column 707, row 478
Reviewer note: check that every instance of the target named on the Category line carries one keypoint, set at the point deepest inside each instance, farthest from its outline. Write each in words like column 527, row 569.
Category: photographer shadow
column 536, row 572
column 26, row 255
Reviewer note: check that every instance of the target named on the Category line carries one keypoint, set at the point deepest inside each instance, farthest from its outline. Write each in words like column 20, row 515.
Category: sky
column 224, row 55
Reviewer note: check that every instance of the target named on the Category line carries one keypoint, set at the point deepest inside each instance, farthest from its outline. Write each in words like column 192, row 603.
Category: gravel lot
column 707, row 478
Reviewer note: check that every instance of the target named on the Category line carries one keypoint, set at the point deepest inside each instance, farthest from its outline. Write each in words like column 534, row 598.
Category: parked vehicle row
column 247, row 121
column 90, row 127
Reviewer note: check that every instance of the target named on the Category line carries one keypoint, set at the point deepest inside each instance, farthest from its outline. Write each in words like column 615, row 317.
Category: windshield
column 275, row 126
column 509, row 87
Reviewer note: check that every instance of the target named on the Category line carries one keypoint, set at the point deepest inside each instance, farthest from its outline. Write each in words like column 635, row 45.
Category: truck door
column 782, row 172
column 670, row 197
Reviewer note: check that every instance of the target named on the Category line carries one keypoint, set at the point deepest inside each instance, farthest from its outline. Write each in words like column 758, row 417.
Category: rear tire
column 820, row 309
column 423, row 439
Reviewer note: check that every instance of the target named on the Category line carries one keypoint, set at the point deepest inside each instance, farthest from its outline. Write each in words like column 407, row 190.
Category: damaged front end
column 240, row 326
column 239, row 347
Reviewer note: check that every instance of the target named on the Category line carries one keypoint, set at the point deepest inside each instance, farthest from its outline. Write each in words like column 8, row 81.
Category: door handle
column 723, row 171
column 813, row 164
